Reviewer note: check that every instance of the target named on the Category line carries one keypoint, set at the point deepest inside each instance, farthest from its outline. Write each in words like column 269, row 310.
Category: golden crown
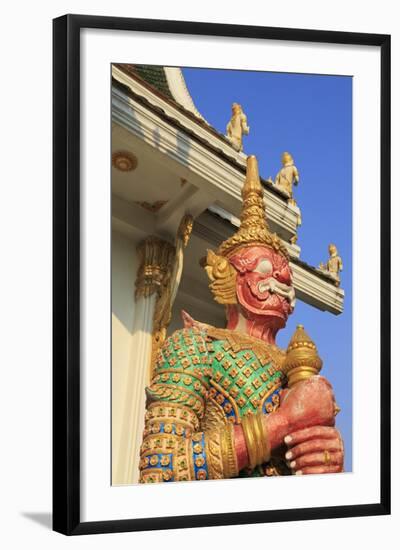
column 253, row 228
column 253, row 231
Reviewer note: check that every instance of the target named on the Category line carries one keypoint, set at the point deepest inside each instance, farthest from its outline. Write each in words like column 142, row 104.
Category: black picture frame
column 66, row 273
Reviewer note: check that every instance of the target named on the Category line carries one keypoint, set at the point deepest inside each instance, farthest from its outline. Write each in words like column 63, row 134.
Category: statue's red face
column 264, row 282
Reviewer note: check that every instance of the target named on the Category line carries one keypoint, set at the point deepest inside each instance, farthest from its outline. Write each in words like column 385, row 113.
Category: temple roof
column 160, row 80
column 153, row 75
column 169, row 82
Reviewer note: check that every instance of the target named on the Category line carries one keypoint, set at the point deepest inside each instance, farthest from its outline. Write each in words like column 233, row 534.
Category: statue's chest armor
column 244, row 381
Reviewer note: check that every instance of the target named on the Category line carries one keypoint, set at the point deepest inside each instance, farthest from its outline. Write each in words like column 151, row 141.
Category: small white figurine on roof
column 287, row 175
column 334, row 265
column 237, row 127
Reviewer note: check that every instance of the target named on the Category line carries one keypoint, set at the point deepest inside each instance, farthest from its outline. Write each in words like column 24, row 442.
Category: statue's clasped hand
column 305, row 424
column 316, row 450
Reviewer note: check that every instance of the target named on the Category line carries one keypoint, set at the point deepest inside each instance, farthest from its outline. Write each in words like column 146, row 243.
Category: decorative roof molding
column 223, row 179
column 179, row 90
column 203, row 130
column 313, row 290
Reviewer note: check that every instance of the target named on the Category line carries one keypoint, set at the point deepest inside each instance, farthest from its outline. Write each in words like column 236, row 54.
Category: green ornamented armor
column 205, row 381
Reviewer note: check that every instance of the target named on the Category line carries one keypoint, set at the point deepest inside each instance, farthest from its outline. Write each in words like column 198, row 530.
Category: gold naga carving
column 168, row 291
column 237, row 127
column 333, row 266
column 156, row 257
column 287, row 175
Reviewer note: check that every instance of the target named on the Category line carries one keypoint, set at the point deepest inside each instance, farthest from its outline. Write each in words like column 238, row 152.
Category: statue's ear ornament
column 222, row 276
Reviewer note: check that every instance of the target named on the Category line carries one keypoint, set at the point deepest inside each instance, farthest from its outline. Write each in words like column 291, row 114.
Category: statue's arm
column 296, row 175
column 174, row 447
column 245, row 127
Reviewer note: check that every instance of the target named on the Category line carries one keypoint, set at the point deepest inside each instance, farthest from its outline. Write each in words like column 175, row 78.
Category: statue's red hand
column 304, row 422
column 309, row 403
column 316, row 450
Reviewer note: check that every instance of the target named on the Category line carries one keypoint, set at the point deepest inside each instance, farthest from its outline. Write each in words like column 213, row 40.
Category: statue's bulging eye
column 264, row 266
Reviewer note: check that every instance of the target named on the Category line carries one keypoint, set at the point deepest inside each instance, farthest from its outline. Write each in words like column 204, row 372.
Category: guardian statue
column 228, row 402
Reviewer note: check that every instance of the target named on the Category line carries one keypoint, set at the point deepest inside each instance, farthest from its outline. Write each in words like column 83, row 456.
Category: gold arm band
column 258, row 447
column 229, row 453
column 265, row 445
column 251, row 444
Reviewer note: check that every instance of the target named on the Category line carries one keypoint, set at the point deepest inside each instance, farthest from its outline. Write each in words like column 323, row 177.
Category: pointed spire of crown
column 253, row 209
column 253, row 228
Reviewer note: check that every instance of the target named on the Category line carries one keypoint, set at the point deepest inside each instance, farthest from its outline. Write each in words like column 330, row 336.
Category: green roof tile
column 155, row 76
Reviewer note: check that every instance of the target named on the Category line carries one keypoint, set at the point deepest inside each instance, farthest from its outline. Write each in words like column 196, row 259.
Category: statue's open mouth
column 265, row 288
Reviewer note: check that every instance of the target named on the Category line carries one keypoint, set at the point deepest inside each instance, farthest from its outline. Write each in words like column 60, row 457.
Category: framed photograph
column 221, row 274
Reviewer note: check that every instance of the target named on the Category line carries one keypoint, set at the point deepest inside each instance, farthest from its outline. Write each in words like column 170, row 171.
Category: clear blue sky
column 311, row 117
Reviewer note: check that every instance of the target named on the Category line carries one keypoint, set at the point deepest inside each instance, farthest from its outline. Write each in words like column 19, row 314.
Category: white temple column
column 156, row 257
column 137, row 381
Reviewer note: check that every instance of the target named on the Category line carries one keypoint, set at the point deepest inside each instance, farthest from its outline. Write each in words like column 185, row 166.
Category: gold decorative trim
column 189, row 454
column 156, row 257
column 176, row 393
column 223, row 278
column 258, row 448
column 251, row 443
column 151, row 475
column 229, row 397
column 160, row 443
column 229, row 452
column 268, row 394
column 167, row 390
column 182, row 461
column 302, row 359
column 163, row 309
column 214, row 416
column 179, row 418
column 181, row 411
column 181, row 371
column 214, row 455
column 152, row 207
